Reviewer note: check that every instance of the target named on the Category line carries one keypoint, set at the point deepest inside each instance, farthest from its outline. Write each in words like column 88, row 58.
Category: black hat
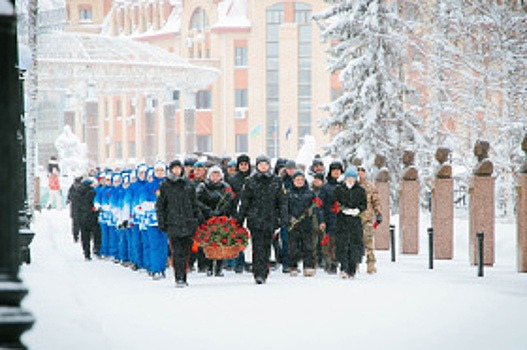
column 291, row 164
column 190, row 161
column 280, row 163
column 336, row 165
column 263, row 158
column 243, row 158
column 319, row 176
column 298, row 173
column 174, row 163
column 317, row 161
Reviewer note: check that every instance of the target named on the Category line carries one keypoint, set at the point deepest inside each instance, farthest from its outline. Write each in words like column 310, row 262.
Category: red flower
column 223, row 220
column 213, row 220
column 214, row 228
column 214, row 244
column 228, row 190
column 233, row 222
column 238, row 241
column 325, row 241
column 318, row 202
column 93, row 209
column 226, row 229
column 224, row 241
column 233, row 195
column 335, row 208
column 233, row 236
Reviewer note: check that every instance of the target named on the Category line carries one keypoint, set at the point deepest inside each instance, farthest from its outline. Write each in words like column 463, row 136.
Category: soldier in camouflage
column 370, row 219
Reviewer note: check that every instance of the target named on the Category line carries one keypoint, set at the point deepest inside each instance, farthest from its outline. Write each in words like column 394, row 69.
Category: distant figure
column 54, row 190
column 53, row 164
column 484, row 166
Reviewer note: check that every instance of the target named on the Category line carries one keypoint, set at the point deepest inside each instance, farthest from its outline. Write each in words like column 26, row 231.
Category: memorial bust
column 484, row 166
column 444, row 171
column 383, row 175
column 409, row 170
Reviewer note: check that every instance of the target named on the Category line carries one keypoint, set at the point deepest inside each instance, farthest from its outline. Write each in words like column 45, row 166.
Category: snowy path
column 100, row 305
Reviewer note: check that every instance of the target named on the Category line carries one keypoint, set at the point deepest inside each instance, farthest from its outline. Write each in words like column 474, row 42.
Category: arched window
column 199, row 20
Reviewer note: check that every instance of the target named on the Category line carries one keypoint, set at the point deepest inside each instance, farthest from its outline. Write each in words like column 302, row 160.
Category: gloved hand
column 125, row 224
column 378, row 219
column 294, row 221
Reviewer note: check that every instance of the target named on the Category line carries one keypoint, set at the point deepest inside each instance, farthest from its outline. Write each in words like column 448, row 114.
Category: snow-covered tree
column 366, row 37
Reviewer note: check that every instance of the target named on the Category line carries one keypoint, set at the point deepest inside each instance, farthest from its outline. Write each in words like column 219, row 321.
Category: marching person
column 350, row 202
column 214, row 199
column 157, row 239
column 237, row 182
column 264, row 205
column 74, row 212
column 371, row 214
column 87, row 216
column 300, row 202
column 318, row 234
column 178, row 216
column 328, row 220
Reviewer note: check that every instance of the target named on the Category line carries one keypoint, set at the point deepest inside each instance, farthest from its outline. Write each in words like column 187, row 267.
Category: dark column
column 13, row 320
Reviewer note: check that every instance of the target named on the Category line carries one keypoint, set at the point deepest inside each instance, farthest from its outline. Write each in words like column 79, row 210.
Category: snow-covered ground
column 101, row 305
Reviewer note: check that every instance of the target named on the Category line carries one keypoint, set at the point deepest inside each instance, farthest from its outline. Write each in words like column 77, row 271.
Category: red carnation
column 233, row 222
column 224, row 241
column 223, row 220
column 228, row 190
column 214, row 244
column 233, row 236
column 335, row 208
column 325, row 241
column 226, row 229
column 239, row 241
column 318, row 202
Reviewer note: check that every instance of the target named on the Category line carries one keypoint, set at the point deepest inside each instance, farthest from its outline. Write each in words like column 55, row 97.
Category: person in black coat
column 328, row 218
column 264, row 205
column 74, row 211
column 214, row 199
column 178, row 215
column 351, row 201
column 237, row 181
column 300, row 203
column 87, row 217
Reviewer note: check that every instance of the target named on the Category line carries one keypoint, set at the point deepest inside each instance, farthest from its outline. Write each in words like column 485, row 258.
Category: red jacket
column 53, row 183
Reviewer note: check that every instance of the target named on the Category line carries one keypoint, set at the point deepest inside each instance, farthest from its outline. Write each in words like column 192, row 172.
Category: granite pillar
column 382, row 233
column 443, row 218
column 409, row 217
column 481, row 218
column 521, row 221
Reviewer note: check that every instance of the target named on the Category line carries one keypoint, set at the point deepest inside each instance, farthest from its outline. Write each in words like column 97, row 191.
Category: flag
column 256, row 131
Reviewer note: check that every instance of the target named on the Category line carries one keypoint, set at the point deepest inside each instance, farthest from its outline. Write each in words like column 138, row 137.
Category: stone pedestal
column 481, row 218
column 521, row 221
column 382, row 233
column 409, row 217
column 443, row 218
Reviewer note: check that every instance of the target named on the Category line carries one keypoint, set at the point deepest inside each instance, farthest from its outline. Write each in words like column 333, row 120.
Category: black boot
column 218, row 272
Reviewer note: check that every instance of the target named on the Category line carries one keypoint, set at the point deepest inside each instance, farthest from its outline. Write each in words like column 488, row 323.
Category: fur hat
column 214, row 169
column 262, row 158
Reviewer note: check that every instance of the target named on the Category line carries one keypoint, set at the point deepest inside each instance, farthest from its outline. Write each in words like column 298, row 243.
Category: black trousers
column 181, row 247
column 75, row 228
column 350, row 249
column 261, row 245
column 301, row 245
column 87, row 233
column 97, row 238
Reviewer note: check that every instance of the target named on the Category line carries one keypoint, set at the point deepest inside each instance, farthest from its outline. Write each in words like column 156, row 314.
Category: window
column 241, row 98
column 131, row 149
column 118, row 150
column 204, row 143
column 242, row 143
column 85, row 15
column 240, row 56
column 199, row 20
column 203, row 99
column 118, row 111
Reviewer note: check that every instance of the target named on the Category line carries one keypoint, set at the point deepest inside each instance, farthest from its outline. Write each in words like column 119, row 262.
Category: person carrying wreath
column 214, row 199
column 178, row 215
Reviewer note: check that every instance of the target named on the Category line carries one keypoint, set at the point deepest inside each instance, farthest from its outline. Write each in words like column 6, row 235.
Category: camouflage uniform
column 368, row 218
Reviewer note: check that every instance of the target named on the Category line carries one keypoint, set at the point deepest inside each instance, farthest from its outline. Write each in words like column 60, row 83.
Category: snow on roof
column 232, row 14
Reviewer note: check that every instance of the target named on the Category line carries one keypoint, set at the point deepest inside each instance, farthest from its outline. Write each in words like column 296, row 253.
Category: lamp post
column 14, row 321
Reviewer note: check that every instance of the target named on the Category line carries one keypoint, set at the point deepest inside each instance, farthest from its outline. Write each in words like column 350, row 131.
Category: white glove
column 147, row 206
column 352, row 212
